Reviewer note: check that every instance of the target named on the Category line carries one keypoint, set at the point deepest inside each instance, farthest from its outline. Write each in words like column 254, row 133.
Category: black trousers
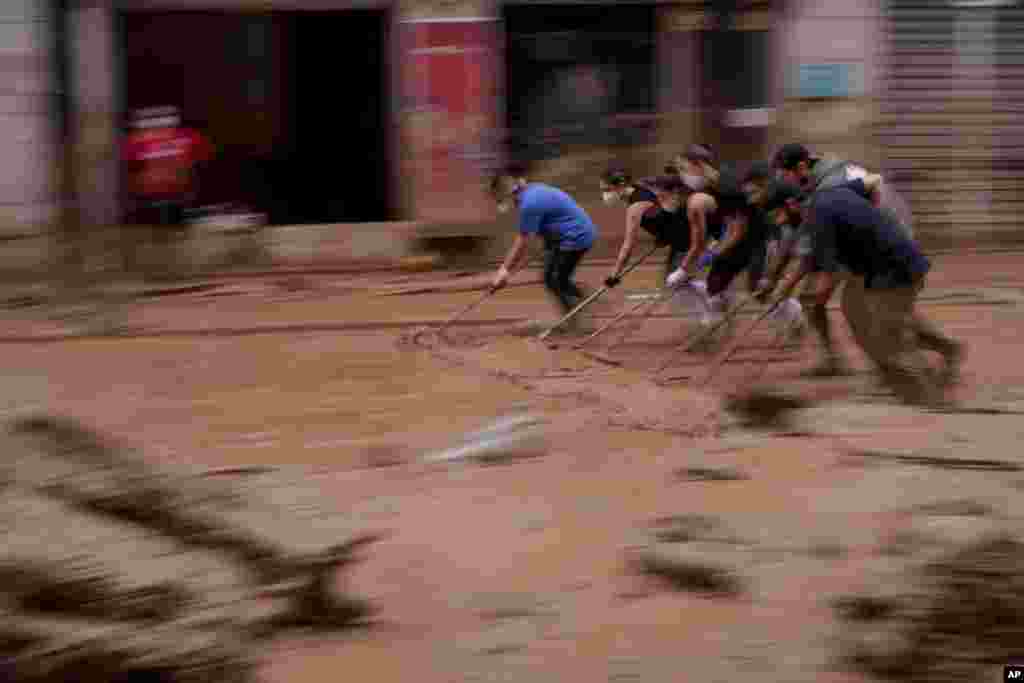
column 750, row 257
column 559, row 267
column 160, row 212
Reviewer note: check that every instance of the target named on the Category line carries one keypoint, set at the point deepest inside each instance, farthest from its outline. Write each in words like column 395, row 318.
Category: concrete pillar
column 450, row 70
column 679, row 76
column 694, row 108
column 95, row 122
column 28, row 149
column 88, row 240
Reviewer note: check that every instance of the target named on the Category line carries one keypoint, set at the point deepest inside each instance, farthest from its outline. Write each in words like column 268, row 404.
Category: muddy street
column 521, row 563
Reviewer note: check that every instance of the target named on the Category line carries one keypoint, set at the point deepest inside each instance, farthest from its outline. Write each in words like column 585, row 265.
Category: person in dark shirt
column 846, row 230
column 654, row 205
column 788, row 202
column 749, row 229
column 814, row 174
column 744, row 244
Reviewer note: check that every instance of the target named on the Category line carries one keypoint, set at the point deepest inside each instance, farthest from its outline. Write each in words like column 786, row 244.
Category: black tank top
column 668, row 227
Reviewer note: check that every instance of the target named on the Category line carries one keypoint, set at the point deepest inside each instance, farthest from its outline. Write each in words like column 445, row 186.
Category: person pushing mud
column 549, row 214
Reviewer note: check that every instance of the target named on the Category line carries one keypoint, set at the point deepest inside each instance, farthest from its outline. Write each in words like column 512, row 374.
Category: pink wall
column 822, row 31
column 26, row 136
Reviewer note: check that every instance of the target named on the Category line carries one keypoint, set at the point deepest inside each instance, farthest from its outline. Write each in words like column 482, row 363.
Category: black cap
column 759, row 172
column 790, row 155
column 780, row 193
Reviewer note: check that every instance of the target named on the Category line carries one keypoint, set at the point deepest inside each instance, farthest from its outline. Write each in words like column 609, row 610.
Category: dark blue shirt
column 848, row 230
column 556, row 217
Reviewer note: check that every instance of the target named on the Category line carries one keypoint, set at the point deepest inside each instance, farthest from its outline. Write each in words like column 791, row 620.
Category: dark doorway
column 336, row 88
column 572, row 69
column 294, row 102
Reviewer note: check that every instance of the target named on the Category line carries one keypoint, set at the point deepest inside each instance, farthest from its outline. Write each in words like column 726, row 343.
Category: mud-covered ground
column 530, row 565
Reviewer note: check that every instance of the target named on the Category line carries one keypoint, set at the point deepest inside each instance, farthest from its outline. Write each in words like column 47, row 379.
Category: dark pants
column 895, row 334
column 161, row 212
column 559, row 267
column 724, row 269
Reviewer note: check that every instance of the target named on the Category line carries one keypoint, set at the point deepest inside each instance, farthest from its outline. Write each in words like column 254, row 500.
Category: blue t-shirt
column 847, row 229
column 556, row 217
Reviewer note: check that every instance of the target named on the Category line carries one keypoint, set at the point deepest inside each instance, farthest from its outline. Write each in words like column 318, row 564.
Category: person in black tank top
column 654, row 206
column 744, row 245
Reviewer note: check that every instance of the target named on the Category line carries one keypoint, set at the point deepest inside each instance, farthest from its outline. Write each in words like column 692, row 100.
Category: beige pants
column 894, row 335
column 854, row 308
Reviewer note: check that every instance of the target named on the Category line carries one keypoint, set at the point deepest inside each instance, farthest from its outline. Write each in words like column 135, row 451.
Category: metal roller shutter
column 952, row 113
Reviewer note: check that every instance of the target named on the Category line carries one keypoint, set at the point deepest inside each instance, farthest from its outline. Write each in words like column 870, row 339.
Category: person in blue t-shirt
column 551, row 215
column 846, row 230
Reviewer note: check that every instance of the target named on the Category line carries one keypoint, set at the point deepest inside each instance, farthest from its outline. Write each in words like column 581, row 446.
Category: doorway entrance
column 295, row 104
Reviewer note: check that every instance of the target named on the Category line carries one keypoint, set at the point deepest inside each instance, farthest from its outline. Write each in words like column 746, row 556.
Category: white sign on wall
column 827, row 80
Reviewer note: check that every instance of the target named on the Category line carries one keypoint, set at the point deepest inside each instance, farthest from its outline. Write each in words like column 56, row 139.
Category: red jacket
column 161, row 161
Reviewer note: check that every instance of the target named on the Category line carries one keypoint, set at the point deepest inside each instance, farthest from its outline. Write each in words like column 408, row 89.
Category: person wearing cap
column 813, row 173
column 553, row 216
column 744, row 245
column 797, row 167
column 788, row 204
column 797, row 190
column 846, row 230
column 750, row 229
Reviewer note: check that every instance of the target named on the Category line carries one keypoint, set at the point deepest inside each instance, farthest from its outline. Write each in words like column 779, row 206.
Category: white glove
column 677, row 278
column 788, row 312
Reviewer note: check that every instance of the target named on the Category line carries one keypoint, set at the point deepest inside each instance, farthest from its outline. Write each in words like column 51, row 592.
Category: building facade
column 342, row 111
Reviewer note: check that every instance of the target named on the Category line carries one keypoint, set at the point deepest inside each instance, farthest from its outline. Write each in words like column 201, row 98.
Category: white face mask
column 610, row 198
column 694, row 182
column 510, row 200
